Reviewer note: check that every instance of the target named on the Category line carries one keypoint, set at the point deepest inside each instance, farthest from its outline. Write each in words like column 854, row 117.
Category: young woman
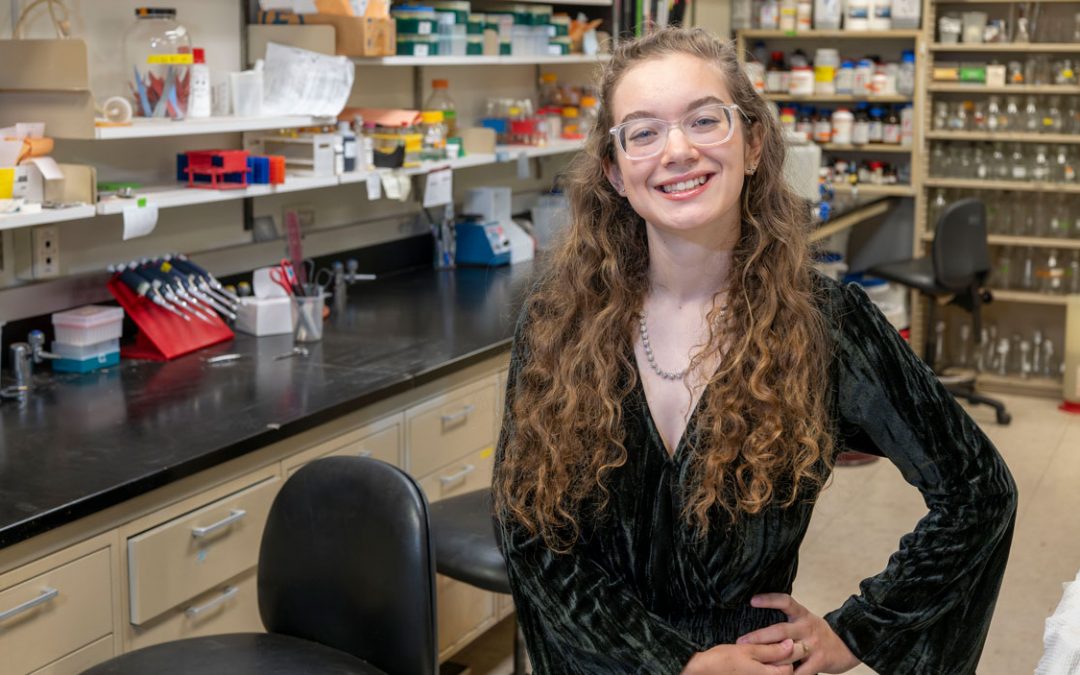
column 681, row 381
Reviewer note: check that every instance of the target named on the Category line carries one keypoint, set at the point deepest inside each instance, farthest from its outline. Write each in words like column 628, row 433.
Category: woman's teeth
column 684, row 185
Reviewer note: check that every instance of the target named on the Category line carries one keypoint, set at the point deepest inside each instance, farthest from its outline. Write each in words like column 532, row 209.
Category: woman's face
column 668, row 88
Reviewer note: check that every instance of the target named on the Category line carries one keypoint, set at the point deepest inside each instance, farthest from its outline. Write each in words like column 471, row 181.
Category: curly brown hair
column 763, row 433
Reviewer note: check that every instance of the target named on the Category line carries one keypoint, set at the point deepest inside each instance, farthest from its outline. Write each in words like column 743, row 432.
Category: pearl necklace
column 673, row 376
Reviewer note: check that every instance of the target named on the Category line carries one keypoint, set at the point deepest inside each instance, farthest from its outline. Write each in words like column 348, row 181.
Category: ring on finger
column 805, row 649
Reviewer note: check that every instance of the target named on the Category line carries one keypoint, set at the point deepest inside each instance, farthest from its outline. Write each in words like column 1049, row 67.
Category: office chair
column 957, row 268
column 467, row 549
column 346, row 584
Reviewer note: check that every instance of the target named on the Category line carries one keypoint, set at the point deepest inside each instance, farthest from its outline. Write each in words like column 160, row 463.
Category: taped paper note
column 439, row 188
column 140, row 219
column 48, row 167
column 391, row 185
column 374, row 186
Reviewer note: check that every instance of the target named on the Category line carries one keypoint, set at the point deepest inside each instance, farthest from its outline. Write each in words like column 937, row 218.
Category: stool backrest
column 960, row 252
column 347, row 561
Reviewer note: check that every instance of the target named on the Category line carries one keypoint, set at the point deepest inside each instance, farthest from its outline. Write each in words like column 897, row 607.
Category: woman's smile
column 685, row 187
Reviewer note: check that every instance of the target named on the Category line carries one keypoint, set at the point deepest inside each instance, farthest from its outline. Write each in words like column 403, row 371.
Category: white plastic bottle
column 788, row 15
column 857, row 15
column 881, row 15
column 199, row 89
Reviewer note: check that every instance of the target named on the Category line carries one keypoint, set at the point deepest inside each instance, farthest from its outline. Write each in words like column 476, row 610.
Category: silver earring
column 751, row 170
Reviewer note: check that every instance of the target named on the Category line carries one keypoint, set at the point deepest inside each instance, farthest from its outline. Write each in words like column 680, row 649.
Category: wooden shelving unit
column 836, row 98
column 831, row 35
column 1029, row 297
column 1014, row 185
column 869, row 148
column 1007, row 47
column 871, row 189
column 1037, row 242
column 960, row 88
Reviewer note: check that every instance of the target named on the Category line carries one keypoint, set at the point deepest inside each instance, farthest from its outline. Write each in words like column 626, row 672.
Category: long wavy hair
column 763, row 434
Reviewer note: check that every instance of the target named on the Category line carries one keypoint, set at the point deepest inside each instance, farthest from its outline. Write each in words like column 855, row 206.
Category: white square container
column 88, row 325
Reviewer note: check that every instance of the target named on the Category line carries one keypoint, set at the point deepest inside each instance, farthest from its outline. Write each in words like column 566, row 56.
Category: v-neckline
column 670, row 455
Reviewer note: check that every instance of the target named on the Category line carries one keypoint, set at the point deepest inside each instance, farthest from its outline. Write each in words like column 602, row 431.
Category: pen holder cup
column 309, row 317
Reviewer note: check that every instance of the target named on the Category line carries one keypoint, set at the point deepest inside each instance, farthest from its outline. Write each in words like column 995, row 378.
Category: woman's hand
column 817, row 648
column 747, row 659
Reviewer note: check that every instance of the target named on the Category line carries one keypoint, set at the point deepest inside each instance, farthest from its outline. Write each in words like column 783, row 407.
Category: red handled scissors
column 284, row 275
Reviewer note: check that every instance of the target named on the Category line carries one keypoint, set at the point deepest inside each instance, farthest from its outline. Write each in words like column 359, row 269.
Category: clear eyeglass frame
column 728, row 111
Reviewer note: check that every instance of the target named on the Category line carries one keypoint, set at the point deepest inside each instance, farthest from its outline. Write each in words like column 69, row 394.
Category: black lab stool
column 463, row 529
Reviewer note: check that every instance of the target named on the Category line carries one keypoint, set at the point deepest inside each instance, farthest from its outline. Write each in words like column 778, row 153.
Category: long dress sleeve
column 929, row 610
column 577, row 616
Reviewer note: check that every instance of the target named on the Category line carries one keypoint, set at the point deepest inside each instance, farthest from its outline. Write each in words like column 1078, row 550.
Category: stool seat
column 463, row 529
column 917, row 273
column 237, row 654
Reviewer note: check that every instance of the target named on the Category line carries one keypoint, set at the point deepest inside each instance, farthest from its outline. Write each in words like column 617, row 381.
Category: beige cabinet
column 55, row 607
column 381, row 440
column 449, row 426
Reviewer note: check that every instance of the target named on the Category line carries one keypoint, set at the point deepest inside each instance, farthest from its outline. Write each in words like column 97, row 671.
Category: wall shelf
column 478, row 60
column 869, row 147
column 836, row 98
column 870, row 189
column 906, row 34
column 1009, row 137
column 1016, row 185
column 1007, row 47
column 1028, row 297
column 958, row 88
column 160, row 128
column 1010, row 240
column 1014, row 384
column 176, row 194
column 45, row 216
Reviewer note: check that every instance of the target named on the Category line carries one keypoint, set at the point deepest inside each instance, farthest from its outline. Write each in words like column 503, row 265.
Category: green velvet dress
column 638, row 594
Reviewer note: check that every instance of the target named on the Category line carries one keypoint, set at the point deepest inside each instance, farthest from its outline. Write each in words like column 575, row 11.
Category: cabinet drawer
column 62, row 610
column 382, row 444
column 462, row 610
column 230, row 607
column 76, row 662
column 471, row 472
column 189, row 555
column 447, row 428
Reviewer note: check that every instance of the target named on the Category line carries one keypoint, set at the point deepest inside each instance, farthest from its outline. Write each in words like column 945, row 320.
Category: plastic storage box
column 84, row 358
column 89, row 325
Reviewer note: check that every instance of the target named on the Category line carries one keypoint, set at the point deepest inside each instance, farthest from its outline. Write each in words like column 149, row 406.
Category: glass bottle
column 550, row 95
column 941, row 115
column 434, row 136
column 958, row 118
column 1072, row 273
column 1063, row 170
column 939, row 161
column 978, row 116
column 1031, row 117
column 979, row 167
column 1001, row 275
column 1040, row 170
column 993, row 114
column 440, row 100
column 936, row 208
column 999, row 165
column 1025, row 271
column 1052, row 274
column 1012, row 118
column 1019, row 163
column 1058, row 224
column 1052, row 122
column 158, row 63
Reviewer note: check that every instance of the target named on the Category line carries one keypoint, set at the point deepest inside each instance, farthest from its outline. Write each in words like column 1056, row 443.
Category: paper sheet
column 140, row 219
column 374, row 186
column 9, row 152
column 439, row 188
column 301, row 82
column 48, row 167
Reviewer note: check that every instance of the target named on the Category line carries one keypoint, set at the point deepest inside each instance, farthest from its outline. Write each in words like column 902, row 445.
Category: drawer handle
column 364, row 453
column 194, row 612
column 46, row 595
column 199, row 532
column 453, row 480
column 449, row 420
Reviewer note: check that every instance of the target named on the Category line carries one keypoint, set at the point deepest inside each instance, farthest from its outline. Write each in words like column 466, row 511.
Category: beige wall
column 714, row 15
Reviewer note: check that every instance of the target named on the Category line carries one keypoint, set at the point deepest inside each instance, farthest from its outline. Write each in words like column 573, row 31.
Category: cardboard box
column 359, row 35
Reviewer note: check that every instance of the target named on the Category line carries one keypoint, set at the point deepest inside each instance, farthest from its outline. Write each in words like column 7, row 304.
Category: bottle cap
column 549, row 78
column 440, row 84
column 588, row 101
column 198, row 55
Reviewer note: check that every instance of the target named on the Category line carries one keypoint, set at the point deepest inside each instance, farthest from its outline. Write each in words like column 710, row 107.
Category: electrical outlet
column 46, row 251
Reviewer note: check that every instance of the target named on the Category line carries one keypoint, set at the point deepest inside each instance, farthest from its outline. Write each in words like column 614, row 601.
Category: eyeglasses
column 704, row 127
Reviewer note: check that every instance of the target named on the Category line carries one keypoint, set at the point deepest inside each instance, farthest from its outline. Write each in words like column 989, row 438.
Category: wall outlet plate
column 46, row 251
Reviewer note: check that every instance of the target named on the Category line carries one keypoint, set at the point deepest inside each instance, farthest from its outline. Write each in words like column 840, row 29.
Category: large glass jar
column 158, row 63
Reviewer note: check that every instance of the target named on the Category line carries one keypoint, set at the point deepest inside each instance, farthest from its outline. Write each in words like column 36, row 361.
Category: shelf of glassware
column 837, row 98
column 1007, row 47
column 1013, row 137
column 478, row 60
column 1028, row 297
column 871, row 189
column 899, row 34
column 1039, row 386
column 868, row 148
column 998, row 2
column 957, row 88
column 1010, row 240
column 1015, row 185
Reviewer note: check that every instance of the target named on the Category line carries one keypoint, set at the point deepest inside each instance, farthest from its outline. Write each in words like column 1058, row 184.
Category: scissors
column 284, row 275
column 319, row 277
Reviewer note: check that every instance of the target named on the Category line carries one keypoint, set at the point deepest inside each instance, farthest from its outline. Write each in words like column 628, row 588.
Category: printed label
column 170, row 59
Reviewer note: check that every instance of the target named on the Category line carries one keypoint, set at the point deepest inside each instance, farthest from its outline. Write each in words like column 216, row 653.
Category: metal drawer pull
column 236, row 515
column 47, row 594
column 458, row 417
column 454, row 479
column 364, row 453
column 194, row 612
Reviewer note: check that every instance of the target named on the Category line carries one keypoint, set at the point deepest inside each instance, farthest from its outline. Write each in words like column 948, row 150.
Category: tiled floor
column 862, row 516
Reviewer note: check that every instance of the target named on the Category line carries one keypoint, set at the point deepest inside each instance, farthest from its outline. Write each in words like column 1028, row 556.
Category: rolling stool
column 466, row 549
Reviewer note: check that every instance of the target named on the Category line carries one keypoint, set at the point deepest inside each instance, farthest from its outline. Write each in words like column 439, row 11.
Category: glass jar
column 993, row 114
column 941, row 116
column 999, row 165
column 440, row 100
column 158, row 61
column 434, row 132
column 1040, row 167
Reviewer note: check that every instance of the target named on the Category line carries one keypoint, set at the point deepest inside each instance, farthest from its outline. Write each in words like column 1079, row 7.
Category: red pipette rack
column 163, row 336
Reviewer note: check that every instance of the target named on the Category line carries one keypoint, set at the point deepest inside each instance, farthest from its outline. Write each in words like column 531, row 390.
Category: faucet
column 23, row 357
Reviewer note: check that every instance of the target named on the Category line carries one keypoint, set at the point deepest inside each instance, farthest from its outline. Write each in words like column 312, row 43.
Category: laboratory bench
column 122, row 488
